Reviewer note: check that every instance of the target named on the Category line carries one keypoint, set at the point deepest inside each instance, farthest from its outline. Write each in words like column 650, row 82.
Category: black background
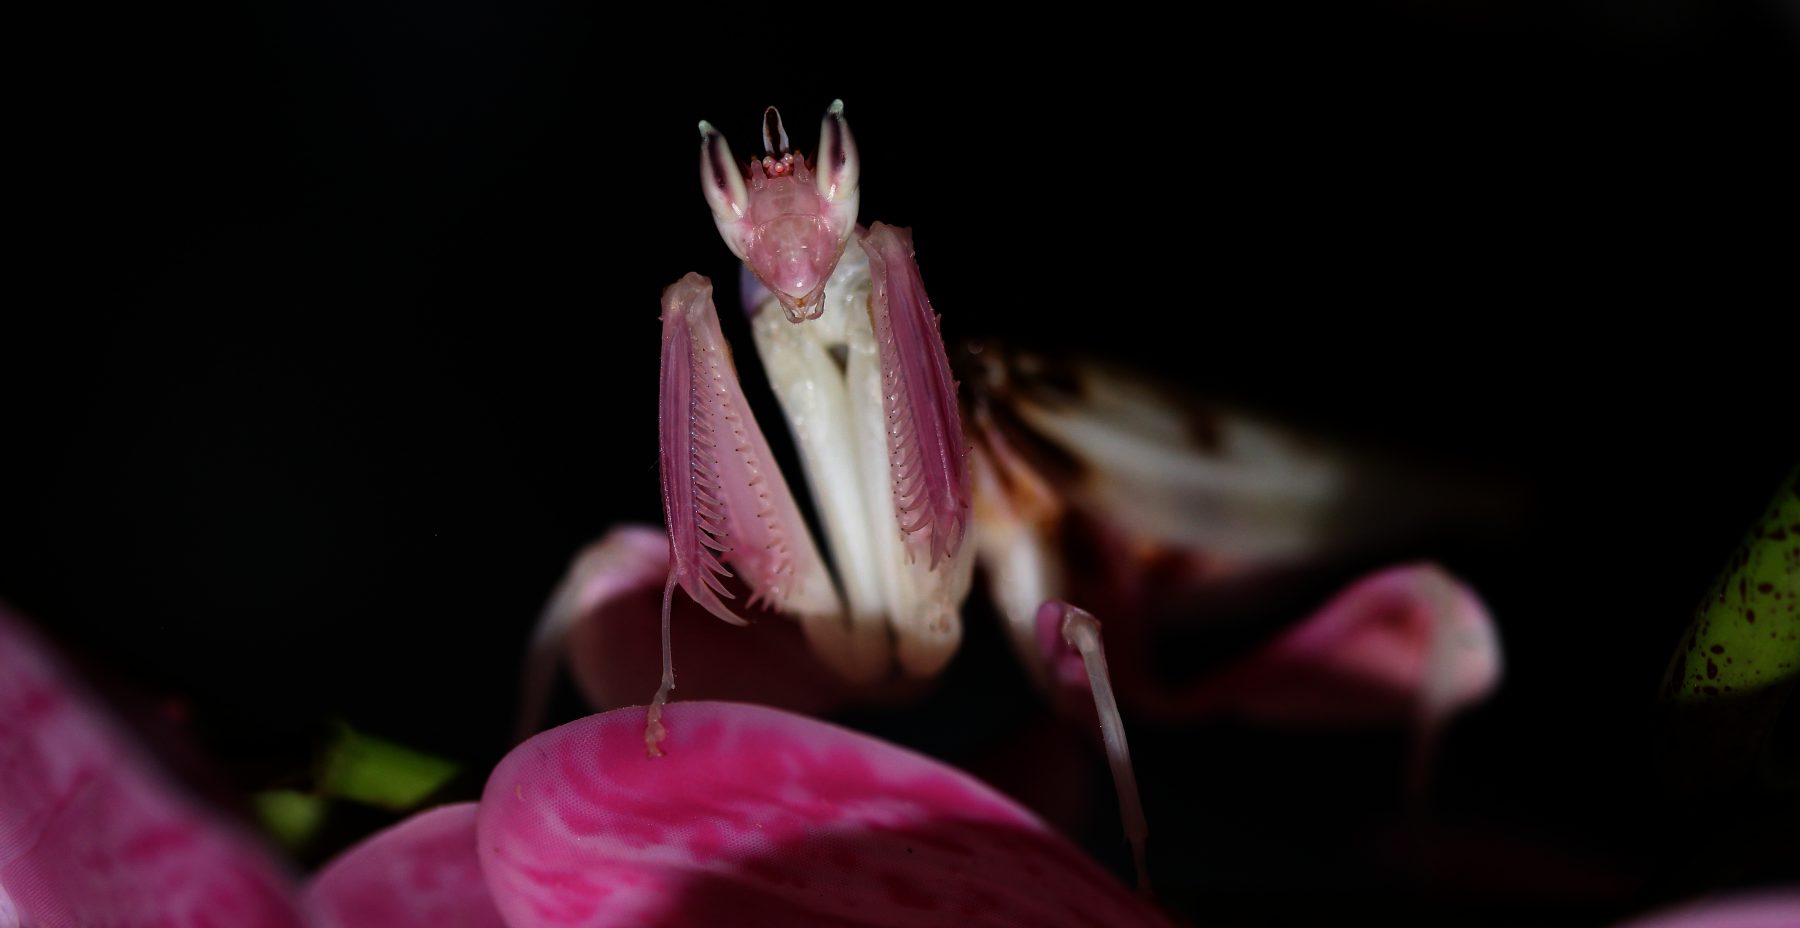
column 334, row 335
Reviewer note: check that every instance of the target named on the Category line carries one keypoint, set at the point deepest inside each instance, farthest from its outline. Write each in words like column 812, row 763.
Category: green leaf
column 291, row 817
column 1745, row 636
column 1731, row 677
column 378, row 772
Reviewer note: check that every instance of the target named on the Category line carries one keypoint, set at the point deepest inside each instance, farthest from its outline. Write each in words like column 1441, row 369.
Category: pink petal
column 757, row 817
column 92, row 834
column 1775, row 908
column 421, row 873
column 1407, row 643
column 605, row 617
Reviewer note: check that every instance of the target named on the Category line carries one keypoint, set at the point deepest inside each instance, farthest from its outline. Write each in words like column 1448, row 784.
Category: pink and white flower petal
column 1407, row 643
column 757, row 817
column 91, row 833
column 421, row 873
column 603, row 620
column 1769, row 908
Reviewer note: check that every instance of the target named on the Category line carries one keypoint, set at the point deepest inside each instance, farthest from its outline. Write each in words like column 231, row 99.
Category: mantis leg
column 728, row 510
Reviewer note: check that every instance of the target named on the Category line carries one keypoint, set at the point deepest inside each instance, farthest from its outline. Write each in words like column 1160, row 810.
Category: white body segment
column 835, row 412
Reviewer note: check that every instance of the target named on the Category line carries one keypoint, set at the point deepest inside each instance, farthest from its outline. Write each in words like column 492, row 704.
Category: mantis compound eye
column 786, row 217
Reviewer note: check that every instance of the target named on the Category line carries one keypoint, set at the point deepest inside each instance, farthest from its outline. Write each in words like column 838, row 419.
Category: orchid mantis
column 913, row 485
column 857, row 361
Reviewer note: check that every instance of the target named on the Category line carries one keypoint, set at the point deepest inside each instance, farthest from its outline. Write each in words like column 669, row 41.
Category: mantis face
column 785, row 217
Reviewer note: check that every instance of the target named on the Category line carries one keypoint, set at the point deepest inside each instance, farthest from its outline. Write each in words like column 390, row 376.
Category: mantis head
column 785, row 216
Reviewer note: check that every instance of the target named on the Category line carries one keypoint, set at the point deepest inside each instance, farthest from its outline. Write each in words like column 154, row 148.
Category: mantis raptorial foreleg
column 727, row 506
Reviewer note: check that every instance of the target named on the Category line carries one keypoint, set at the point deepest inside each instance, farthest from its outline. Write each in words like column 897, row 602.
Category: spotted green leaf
column 1745, row 636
